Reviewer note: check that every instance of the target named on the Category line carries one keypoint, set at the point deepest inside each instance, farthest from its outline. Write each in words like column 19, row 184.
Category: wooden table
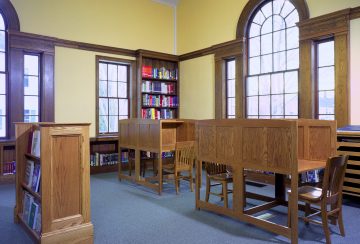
column 155, row 136
column 285, row 147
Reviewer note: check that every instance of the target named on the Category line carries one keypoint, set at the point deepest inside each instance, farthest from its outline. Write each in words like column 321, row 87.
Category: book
column 29, row 172
column 27, row 201
column 35, row 145
column 32, row 215
column 36, row 178
column 37, row 224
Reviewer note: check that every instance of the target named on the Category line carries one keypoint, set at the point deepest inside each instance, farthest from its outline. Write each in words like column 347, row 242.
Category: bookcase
column 158, row 85
column 7, row 161
column 348, row 143
column 53, row 182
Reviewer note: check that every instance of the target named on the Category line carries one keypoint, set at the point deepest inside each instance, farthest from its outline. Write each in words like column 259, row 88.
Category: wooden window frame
column 131, row 88
column 226, row 87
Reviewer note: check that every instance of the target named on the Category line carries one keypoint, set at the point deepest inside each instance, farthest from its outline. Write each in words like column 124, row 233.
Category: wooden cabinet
column 348, row 143
column 158, row 85
column 62, row 199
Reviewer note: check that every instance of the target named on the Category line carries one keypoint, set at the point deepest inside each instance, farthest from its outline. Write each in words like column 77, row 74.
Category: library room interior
column 179, row 121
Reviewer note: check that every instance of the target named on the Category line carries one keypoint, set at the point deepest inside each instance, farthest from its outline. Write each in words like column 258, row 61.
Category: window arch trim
column 10, row 16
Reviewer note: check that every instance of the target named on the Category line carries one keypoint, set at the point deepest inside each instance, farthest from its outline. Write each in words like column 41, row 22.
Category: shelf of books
column 159, row 85
column 7, row 161
column 53, row 182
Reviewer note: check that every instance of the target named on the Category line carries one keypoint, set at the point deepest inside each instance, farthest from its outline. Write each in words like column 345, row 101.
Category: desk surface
column 309, row 165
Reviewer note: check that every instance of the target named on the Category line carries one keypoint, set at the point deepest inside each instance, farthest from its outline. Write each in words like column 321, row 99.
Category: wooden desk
column 285, row 147
column 155, row 136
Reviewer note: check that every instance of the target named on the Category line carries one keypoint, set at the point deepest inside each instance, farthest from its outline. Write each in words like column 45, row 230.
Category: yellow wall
column 75, row 98
column 197, row 88
column 355, row 71
column 131, row 24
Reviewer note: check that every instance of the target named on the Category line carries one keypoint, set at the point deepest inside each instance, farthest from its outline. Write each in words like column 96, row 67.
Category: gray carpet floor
column 123, row 212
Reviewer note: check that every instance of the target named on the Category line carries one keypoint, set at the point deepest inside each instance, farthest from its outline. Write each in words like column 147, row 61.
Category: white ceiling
column 172, row 3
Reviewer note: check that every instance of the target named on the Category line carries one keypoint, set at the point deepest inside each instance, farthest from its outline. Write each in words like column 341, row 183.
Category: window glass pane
column 2, row 105
column 31, row 85
column 293, row 59
column 327, row 117
column 113, row 107
column 252, row 105
column 277, row 117
column 292, row 19
column 277, row 83
column 112, row 89
column 2, row 41
column 279, row 61
column 264, row 84
column 2, row 126
column 264, row 105
column 122, row 73
column 2, row 62
column 264, row 117
column 31, row 105
column 2, row 84
column 252, row 117
column 277, row 6
column 113, row 123
column 326, row 78
column 267, row 26
column 291, row 104
column 254, row 66
column 31, row 65
column 259, row 18
column 2, row 23
column 326, row 102
column 279, row 23
column 266, row 44
column 103, row 124
column 102, row 88
column 266, row 63
column 103, row 106
column 122, row 86
column 292, row 36
column 231, row 69
column 231, row 116
column 291, row 82
column 31, row 119
column 287, row 8
column 254, row 46
column 123, row 107
column 326, row 53
column 231, row 88
column 291, row 117
column 123, row 117
column 231, row 106
column 102, row 71
column 279, row 41
column 112, row 72
column 254, row 30
column 252, row 86
column 277, row 104
column 267, row 9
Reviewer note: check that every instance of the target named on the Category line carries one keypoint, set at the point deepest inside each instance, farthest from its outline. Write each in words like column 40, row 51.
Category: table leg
column 137, row 164
column 280, row 188
column 198, row 183
column 160, row 176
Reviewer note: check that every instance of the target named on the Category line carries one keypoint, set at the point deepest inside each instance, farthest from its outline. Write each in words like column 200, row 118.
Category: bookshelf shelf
column 159, row 93
column 157, row 79
column 7, row 161
column 53, row 197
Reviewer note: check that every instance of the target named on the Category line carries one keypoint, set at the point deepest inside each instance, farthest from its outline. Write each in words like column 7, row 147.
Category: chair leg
column 207, row 189
column 325, row 223
column 289, row 212
column 307, row 212
column 176, row 182
column 225, row 193
column 191, row 180
column 341, row 223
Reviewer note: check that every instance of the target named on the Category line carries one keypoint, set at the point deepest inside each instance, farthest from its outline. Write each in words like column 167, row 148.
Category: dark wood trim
column 355, row 13
column 196, row 54
column 252, row 6
column 9, row 13
column 156, row 55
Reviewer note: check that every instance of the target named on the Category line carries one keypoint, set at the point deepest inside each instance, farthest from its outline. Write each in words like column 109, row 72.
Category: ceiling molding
column 172, row 3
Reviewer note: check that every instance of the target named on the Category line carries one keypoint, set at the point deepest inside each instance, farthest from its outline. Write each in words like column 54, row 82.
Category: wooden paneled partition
column 285, row 147
column 156, row 136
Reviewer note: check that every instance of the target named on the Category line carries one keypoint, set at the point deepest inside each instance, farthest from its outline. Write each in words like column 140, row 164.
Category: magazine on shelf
column 36, row 178
column 33, row 214
column 35, row 145
column 29, row 171
column 27, row 202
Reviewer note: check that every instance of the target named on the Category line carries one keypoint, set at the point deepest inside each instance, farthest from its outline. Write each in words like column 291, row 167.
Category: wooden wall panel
column 254, row 142
column 225, row 143
column 319, row 143
column 207, row 143
column 301, row 145
column 279, row 149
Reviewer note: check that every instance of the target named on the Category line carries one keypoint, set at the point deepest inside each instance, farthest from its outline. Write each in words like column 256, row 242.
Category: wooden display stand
column 285, row 147
column 64, row 194
column 349, row 144
column 155, row 136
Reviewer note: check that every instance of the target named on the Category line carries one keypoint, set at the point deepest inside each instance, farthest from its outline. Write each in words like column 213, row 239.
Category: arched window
column 273, row 61
column 3, row 77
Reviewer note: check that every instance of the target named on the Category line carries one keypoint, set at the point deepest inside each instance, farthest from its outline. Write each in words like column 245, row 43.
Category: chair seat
column 222, row 177
column 171, row 167
column 309, row 193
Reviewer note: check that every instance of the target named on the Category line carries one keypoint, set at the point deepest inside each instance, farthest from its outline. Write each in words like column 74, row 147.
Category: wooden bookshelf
column 63, row 196
column 7, row 161
column 158, row 85
column 101, row 146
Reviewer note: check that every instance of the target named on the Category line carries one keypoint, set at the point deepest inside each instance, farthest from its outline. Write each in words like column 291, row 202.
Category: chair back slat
column 184, row 153
column 334, row 176
column 215, row 168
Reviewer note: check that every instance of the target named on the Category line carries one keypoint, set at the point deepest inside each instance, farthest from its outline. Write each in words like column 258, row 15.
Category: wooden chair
column 184, row 162
column 219, row 174
column 330, row 194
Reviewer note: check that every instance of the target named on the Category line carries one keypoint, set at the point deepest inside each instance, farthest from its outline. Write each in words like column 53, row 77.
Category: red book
column 147, row 71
